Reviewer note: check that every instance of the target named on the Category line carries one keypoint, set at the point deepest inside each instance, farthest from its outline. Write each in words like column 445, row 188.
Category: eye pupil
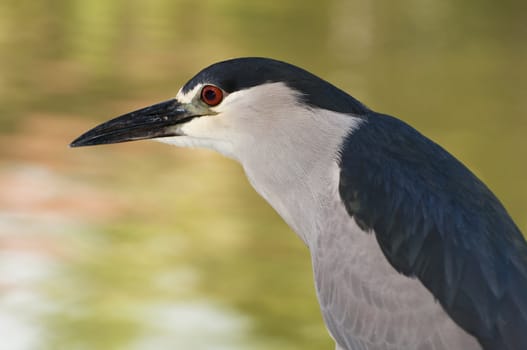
column 211, row 95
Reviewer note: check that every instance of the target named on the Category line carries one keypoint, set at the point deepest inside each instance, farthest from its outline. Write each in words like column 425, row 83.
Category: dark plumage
column 436, row 221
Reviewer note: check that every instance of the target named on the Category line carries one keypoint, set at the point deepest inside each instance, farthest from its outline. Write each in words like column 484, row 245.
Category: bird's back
column 436, row 222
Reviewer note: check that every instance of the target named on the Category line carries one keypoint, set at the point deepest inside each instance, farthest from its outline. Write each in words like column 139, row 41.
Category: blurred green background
column 145, row 246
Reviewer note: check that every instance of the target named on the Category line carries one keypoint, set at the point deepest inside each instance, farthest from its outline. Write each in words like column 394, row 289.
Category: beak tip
column 78, row 142
column 87, row 139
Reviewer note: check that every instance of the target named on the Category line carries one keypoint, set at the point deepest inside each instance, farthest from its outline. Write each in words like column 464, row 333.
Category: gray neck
column 298, row 172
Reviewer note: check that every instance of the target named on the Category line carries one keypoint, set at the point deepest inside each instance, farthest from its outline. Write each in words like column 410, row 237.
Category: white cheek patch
column 199, row 127
column 262, row 99
column 188, row 96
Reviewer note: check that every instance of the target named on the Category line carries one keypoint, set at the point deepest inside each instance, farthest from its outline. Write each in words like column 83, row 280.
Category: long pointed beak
column 150, row 122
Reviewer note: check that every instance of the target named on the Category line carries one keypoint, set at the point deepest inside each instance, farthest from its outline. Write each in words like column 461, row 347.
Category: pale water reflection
column 193, row 324
column 140, row 245
column 22, row 305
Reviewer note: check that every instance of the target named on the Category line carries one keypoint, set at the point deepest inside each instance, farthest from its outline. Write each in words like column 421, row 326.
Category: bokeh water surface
column 144, row 246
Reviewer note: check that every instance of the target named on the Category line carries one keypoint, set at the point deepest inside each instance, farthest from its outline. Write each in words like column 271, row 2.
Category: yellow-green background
column 144, row 246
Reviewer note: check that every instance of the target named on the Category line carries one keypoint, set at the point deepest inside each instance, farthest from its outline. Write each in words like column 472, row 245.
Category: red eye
column 211, row 95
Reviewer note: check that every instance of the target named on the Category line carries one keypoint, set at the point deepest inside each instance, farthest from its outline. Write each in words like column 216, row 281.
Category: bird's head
column 230, row 106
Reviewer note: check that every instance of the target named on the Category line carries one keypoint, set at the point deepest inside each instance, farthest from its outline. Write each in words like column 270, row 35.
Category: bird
column 409, row 249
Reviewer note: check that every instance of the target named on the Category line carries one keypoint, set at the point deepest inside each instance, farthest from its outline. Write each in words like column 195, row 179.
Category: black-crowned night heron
column 409, row 249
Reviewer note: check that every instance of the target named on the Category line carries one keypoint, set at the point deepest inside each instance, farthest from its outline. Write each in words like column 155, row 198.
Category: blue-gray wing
column 434, row 220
